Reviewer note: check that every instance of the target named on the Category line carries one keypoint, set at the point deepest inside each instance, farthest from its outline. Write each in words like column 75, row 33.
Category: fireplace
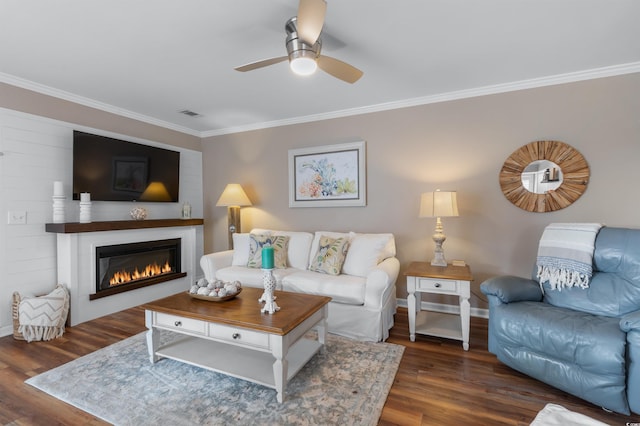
column 124, row 267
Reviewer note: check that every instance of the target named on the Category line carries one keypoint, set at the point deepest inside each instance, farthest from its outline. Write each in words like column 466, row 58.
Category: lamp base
column 233, row 221
column 438, row 261
column 438, row 238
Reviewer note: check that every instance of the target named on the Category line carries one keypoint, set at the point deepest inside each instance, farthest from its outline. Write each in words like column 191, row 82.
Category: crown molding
column 572, row 77
column 61, row 94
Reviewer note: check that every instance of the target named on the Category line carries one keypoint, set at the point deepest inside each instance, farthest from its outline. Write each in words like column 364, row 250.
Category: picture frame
column 328, row 176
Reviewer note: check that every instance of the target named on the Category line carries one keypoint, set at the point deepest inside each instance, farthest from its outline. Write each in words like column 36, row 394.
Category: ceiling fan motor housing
column 297, row 48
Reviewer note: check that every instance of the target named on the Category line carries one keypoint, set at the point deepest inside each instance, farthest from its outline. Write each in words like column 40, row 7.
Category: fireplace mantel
column 76, row 261
column 118, row 225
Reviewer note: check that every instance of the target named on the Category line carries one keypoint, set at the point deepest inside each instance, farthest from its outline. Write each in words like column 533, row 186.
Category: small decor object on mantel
column 138, row 213
column 85, row 207
column 186, row 211
column 58, row 202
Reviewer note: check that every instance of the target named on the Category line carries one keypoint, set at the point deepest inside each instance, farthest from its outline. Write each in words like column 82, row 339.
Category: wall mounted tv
column 116, row 170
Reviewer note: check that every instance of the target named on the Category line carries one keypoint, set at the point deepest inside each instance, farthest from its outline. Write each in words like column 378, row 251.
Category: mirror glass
column 541, row 176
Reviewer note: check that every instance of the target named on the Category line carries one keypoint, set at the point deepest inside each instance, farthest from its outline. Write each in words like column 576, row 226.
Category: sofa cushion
column 366, row 251
column 577, row 352
column 316, row 241
column 343, row 288
column 251, row 277
column 614, row 289
column 299, row 246
column 330, row 255
column 280, row 246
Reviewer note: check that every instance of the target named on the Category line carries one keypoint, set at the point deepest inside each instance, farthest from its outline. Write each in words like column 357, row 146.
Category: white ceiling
column 150, row 59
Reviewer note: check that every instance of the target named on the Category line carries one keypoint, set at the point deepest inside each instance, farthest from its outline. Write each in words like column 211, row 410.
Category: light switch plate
column 17, row 217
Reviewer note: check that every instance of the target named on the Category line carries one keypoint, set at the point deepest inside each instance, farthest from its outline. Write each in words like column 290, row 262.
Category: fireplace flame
column 149, row 271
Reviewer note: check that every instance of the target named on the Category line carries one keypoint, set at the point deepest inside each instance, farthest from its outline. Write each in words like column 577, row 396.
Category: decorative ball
column 202, row 282
column 194, row 289
column 138, row 213
column 203, row 291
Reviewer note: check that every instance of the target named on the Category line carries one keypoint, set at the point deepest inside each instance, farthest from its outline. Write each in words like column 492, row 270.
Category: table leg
column 411, row 309
column 464, row 318
column 280, row 368
column 322, row 331
column 153, row 337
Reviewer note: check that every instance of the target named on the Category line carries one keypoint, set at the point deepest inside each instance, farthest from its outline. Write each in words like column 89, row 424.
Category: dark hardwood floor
column 437, row 384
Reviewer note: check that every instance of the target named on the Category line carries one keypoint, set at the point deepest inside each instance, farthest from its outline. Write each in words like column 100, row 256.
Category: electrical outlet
column 17, row 217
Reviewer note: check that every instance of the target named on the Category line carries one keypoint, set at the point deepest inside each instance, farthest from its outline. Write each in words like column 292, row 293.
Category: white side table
column 451, row 280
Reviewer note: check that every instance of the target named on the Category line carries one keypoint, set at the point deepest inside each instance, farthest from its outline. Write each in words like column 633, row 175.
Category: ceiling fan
column 304, row 44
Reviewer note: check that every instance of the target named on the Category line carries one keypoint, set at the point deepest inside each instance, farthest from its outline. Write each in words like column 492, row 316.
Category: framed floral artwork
column 328, row 176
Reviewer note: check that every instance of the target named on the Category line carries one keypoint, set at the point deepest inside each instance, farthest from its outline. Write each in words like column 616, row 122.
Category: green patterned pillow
column 330, row 256
column 280, row 246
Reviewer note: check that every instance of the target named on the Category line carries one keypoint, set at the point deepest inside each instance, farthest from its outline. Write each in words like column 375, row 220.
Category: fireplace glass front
column 124, row 267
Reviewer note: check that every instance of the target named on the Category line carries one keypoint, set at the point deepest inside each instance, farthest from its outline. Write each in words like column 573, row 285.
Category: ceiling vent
column 189, row 113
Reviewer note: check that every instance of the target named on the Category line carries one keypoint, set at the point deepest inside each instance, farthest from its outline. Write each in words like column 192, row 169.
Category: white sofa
column 363, row 294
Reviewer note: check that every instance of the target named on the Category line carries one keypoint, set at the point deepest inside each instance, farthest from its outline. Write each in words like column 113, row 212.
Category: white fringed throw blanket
column 565, row 254
column 43, row 317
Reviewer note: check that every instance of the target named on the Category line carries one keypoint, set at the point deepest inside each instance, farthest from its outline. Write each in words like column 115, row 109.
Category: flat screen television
column 116, row 170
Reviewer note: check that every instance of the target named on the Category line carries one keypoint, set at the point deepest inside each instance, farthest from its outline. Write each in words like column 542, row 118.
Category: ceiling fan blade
column 339, row 69
column 260, row 64
column 310, row 20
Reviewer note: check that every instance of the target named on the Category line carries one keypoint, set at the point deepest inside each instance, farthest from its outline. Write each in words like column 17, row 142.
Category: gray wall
column 457, row 145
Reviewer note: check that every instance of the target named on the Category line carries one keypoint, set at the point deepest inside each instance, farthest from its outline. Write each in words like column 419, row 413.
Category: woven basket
column 14, row 314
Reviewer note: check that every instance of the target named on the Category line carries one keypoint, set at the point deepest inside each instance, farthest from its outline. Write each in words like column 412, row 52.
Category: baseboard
column 5, row 331
column 448, row 309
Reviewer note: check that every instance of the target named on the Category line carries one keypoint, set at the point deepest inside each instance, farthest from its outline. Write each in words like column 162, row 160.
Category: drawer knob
column 437, row 285
column 178, row 323
column 235, row 335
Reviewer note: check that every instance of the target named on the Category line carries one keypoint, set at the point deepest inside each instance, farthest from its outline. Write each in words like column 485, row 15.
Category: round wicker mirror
column 573, row 172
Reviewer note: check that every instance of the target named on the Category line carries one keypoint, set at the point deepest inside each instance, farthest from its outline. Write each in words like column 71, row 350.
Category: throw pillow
column 240, row 249
column 279, row 243
column 366, row 251
column 330, row 255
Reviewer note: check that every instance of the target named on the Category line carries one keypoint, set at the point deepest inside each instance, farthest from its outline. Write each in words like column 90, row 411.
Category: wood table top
column 244, row 310
column 450, row 272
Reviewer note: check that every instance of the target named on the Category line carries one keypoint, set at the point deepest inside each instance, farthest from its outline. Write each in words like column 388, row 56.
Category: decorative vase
column 138, row 213
column 267, row 297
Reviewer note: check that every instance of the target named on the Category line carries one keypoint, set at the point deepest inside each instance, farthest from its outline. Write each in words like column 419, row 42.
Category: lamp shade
column 156, row 191
column 439, row 204
column 233, row 195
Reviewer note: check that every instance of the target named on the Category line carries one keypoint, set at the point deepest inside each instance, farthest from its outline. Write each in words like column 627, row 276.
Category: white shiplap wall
column 37, row 151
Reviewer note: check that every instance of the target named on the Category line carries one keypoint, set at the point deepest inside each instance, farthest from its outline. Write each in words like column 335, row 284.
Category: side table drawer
column 239, row 336
column 433, row 285
column 181, row 323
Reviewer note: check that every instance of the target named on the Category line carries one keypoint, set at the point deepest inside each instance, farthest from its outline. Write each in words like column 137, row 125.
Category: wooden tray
column 215, row 299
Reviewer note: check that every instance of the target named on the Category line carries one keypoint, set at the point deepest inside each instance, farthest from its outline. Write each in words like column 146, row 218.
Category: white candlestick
column 58, row 189
column 85, row 196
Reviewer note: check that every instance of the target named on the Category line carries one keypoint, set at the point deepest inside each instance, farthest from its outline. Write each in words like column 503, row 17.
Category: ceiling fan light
column 303, row 66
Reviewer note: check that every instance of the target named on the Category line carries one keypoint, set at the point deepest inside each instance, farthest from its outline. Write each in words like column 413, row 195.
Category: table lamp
column 233, row 197
column 439, row 204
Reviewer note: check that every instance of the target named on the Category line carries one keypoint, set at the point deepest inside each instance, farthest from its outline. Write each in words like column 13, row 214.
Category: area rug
column 557, row 415
column 346, row 385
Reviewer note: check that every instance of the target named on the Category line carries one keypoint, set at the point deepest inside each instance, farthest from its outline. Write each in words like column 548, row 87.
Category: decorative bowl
column 215, row 299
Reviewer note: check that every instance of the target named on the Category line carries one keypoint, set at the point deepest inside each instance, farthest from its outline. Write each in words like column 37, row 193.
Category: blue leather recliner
column 583, row 341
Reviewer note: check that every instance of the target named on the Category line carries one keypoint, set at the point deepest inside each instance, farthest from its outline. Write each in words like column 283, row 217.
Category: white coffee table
column 236, row 339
